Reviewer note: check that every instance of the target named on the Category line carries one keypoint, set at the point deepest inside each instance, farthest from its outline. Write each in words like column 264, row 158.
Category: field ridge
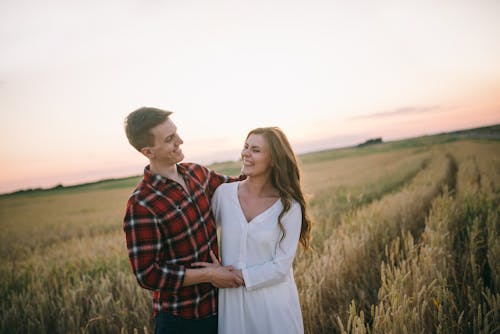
column 406, row 237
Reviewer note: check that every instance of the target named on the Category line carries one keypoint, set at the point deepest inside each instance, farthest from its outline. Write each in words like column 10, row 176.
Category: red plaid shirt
column 167, row 230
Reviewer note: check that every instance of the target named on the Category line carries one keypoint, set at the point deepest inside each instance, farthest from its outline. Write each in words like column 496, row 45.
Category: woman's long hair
column 285, row 177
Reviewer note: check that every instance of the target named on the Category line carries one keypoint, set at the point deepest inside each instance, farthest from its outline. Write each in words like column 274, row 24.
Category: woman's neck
column 259, row 187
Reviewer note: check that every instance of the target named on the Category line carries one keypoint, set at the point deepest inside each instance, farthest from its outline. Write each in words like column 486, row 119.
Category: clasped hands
column 221, row 276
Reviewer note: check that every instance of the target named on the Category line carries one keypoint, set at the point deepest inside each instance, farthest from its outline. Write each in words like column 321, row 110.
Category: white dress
column 269, row 302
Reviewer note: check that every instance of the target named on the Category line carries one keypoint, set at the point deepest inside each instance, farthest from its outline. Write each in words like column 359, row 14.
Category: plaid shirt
column 167, row 230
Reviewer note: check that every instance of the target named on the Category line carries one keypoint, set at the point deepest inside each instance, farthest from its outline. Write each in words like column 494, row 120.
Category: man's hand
column 238, row 273
column 220, row 276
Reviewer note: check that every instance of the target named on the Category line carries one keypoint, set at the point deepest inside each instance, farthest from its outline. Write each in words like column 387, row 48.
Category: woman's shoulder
column 295, row 206
column 226, row 188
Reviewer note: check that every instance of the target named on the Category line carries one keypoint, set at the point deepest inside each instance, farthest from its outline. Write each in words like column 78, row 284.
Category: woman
column 262, row 220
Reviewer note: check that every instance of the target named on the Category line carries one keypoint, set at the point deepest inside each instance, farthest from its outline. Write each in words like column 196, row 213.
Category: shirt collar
column 157, row 180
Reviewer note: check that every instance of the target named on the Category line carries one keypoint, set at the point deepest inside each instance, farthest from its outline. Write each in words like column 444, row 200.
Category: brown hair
column 285, row 177
column 139, row 123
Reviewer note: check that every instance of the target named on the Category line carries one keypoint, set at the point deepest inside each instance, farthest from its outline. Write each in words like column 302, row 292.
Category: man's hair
column 139, row 123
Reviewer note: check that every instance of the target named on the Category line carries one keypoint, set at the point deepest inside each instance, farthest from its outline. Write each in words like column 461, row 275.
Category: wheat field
column 405, row 240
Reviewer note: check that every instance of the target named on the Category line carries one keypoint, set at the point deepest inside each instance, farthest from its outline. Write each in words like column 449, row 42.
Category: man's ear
column 148, row 152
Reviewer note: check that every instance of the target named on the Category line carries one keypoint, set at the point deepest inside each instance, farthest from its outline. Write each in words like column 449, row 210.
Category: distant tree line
column 371, row 142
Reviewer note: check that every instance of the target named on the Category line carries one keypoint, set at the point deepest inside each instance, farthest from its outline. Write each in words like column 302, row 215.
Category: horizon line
column 64, row 185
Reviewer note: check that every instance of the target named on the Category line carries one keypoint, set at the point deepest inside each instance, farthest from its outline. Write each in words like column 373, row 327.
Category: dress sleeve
column 276, row 270
column 215, row 205
column 146, row 251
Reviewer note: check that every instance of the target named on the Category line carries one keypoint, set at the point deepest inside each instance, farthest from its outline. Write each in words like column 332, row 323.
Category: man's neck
column 167, row 171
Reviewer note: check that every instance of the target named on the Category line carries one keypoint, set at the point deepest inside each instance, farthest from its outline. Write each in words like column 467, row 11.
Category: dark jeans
column 169, row 324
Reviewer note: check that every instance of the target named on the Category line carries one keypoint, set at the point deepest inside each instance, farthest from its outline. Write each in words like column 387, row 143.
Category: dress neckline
column 237, row 184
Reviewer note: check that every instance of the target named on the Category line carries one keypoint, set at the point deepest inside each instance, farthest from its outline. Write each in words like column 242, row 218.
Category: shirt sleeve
column 215, row 180
column 276, row 270
column 146, row 251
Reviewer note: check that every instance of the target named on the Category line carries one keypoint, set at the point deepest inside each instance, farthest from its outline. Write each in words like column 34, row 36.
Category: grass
column 405, row 237
column 447, row 283
column 349, row 265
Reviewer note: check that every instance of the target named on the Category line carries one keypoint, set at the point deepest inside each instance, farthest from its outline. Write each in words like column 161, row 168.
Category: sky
column 329, row 73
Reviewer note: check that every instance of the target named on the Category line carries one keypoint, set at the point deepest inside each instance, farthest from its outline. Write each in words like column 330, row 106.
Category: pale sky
column 329, row 73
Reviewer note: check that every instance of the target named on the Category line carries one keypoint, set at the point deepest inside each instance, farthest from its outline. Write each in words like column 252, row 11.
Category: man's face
column 166, row 149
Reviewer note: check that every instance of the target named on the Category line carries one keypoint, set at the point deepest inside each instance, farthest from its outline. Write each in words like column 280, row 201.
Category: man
column 168, row 225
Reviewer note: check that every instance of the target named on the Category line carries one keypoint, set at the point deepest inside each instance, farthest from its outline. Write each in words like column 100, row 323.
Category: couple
column 171, row 225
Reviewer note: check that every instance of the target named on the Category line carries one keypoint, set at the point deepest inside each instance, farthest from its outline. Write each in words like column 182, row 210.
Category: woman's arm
column 277, row 269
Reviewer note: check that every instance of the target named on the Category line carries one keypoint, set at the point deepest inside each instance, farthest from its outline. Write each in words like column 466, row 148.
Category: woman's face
column 256, row 156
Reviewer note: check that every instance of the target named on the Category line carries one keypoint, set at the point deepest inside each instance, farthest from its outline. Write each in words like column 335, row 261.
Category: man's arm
column 145, row 249
column 215, row 179
column 218, row 276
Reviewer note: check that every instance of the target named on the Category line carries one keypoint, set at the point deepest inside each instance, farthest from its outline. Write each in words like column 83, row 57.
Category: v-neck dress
column 269, row 302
